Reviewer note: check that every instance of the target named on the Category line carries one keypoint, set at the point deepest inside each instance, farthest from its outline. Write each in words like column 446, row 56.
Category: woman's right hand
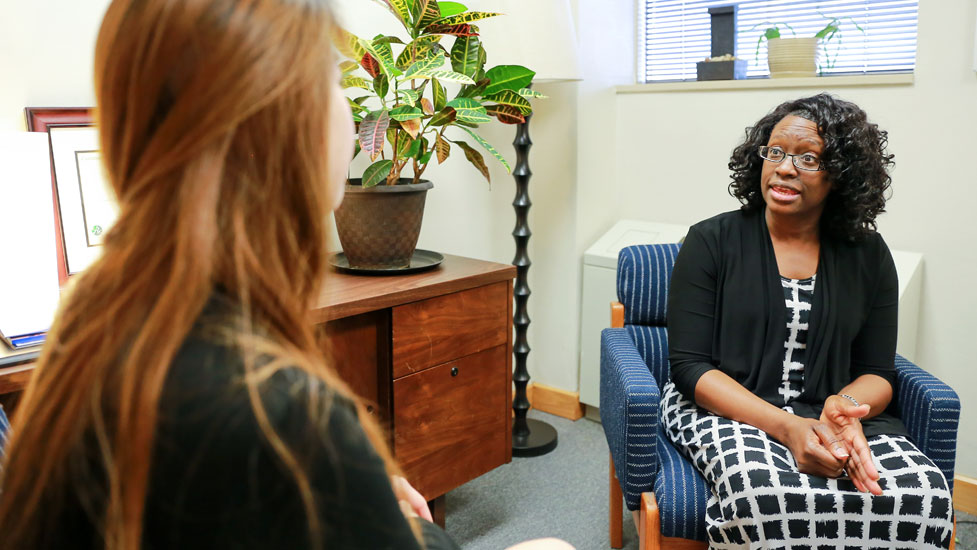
column 817, row 449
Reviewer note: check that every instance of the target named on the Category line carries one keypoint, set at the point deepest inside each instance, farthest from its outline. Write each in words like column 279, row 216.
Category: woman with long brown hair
column 182, row 399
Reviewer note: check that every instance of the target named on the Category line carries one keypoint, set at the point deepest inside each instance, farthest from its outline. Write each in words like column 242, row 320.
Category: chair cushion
column 681, row 493
column 643, row 273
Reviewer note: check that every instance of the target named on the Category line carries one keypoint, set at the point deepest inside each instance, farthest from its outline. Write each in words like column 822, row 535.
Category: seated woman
column 182, row 399
column 782, row 335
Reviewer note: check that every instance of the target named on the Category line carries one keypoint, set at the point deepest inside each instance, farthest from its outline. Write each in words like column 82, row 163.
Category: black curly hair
column 854, row 157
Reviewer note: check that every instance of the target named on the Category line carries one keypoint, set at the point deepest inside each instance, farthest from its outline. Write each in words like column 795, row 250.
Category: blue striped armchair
column 646, row 472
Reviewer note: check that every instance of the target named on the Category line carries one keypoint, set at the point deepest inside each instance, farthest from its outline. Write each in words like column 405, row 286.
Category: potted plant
column 797, row 56
column 406, row 117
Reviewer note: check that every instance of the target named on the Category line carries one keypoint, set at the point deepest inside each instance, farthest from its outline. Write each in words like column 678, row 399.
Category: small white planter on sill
column 792, row 57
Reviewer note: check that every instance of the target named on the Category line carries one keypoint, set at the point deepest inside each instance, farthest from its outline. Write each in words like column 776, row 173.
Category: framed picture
column 84, row 204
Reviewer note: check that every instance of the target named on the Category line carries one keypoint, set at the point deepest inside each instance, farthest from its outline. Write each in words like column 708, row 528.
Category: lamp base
column 540, row 440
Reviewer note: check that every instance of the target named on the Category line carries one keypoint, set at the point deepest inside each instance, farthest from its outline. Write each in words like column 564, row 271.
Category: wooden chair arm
column 617, row 315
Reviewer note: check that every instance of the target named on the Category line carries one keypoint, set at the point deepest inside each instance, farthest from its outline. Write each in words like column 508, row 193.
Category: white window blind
column 675, row 34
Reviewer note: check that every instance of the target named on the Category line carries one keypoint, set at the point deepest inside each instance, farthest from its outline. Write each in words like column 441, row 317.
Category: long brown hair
column 213, row 125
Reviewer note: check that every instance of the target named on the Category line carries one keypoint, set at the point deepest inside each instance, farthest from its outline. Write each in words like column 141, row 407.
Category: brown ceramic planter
column 378, row 226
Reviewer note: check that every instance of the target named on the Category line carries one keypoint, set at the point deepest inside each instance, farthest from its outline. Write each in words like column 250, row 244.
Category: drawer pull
column 454, row 371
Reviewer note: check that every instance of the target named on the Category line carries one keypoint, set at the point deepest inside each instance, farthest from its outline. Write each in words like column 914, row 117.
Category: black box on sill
column 721, row 70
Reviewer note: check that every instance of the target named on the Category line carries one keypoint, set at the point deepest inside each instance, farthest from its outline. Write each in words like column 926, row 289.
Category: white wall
column 671, row 150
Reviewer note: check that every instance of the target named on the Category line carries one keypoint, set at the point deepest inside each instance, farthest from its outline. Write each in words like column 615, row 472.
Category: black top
column 215, row 481
column 726, row 311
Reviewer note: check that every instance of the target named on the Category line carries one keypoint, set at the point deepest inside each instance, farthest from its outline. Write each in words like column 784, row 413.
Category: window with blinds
column 675, row 34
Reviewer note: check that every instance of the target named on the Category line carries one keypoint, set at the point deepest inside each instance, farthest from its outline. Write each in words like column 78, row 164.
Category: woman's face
column 339, row 141
column 787, row 190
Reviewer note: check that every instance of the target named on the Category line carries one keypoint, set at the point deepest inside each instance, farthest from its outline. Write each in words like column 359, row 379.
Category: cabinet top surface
column 344, row 295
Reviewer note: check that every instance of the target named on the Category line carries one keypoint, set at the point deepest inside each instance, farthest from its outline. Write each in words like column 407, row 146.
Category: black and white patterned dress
column 760, row 499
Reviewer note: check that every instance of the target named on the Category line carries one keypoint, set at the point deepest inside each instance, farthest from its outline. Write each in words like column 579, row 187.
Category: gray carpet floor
column 562, row 494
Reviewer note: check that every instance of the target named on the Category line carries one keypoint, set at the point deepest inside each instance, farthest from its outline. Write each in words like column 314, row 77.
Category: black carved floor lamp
column 551, row 51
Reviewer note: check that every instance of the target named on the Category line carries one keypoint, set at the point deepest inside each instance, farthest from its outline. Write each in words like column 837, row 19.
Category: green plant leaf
column 372, row 130
column 347, row 67
column 442, row 117
column 421, row 48
column 451, row 8
column 382, row 45
column 356, row 107
column 386, row 60
column 474, row 90
column 377, row 172
column 469, row 110
column 467, row 17
column 530, row 94
column 415, row 147
column 488, row 147
column 475, row 158
column 409, row 97
column 350, row 81
column 449, row 76
column 426, row 157
column 465, row 55
column 412, row 126
column 404, row 145
column 443, row 148
column 440, row 97
column 511, row 98
column 506, row 114
column 356, row 148
column 357, row 118
column 405, row 112
column 508, row 77
column 424, row 67
column 381, row 84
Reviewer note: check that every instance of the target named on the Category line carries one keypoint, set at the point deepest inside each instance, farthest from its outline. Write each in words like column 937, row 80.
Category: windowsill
column 820, row 82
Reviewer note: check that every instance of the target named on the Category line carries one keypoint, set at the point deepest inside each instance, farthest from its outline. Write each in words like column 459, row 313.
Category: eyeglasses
column 807, row 161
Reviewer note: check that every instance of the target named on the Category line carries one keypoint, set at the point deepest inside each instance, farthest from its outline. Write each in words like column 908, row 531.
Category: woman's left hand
column 411, row 502
column 843, row 417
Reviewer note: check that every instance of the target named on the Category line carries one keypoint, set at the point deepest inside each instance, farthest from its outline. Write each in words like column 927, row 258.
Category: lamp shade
column 538, row 34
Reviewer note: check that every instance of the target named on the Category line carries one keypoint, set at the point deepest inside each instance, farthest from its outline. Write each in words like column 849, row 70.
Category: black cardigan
column 726, row 311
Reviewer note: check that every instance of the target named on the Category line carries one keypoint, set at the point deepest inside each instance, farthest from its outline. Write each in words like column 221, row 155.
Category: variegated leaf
column 456, row 30
column 443, row 149
column 469, row 110
column 466, row 17
column 409, row 97
column 440, row 96
column 426, row 106
column 442, row 117
column 377, row 172
column 508, row 77
column 476, row 89
column 449, row 76
column 403, row 9
column 386, row 61
column 405, row 112
column 372, row 131
column 506, row 114
column 355, row 107
column 412, row 127
column 488, row 147
column 382, row 46
column 465, row 55
column 404, row 144
column 381, row 84
column 424, row 67
column 348, row 44
column 427, row 12
column 350, row 81
column 347, row 67
column 475, row 158
column 511, row 98
column 531, row 94
column 422, row 48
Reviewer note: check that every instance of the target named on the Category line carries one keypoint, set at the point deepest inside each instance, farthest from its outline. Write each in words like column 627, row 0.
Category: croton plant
column 406, row 117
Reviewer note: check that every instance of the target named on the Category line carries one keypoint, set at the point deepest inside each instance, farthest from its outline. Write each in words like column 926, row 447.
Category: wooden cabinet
column 431, row 355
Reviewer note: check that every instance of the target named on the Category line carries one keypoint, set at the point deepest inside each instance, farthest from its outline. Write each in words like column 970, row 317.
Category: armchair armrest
column 931, row 412
column 629, row 398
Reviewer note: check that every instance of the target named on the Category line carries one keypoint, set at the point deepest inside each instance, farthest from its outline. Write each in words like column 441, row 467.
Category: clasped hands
column 834, row 443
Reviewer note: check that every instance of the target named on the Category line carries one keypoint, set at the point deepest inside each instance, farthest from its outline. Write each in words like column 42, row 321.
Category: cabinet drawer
column 452, row 422
column 437, row 330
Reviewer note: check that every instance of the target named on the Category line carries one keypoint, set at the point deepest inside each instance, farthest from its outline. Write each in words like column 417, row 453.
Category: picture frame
column 69, row 205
